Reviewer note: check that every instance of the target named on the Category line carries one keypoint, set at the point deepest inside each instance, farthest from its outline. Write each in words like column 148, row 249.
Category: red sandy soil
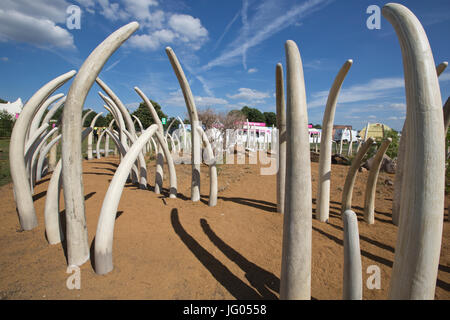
column 177, row 249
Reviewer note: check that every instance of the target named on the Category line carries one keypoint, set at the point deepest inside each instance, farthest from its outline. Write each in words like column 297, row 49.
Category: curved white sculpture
column 211, row 162
column 85, row 115
column 34, row 158
column 90, row 137
column 36, row 122
column 77, row 238
column 142, row 166
column 42, row 156
column 159, row 176
column 53, row 227
column 401, row 154
column 352, row 285
column 324, row 180
column 105, row 226
column 371, row 185
column 419, row 237
column 295, row 282
column 281, row 126
column 22, row 192
column 347, row 193
column 192, row 111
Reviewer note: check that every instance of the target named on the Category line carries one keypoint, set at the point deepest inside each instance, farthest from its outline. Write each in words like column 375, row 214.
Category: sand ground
column 177, row 249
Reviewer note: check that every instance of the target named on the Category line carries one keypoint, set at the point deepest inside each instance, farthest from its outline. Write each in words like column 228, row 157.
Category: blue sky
column 228, row 49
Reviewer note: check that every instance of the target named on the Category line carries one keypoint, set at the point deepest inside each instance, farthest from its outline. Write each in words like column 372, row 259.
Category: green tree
column 271, row 118
column 143, row 113
column 6, row 123
column 253, row 114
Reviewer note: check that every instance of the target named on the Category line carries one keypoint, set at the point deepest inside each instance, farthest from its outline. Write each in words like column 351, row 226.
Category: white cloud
column 187, row 26
column 374, row 89
column 372, row 116
column 252, row 70
column 176, row 99
column 160, row 28
column 270, row 18
column 5, row 59
column 152, row 41
column 42, row 32
column 249, row 95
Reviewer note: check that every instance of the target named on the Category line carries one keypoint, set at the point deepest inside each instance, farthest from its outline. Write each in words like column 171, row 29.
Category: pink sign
column 309, row 125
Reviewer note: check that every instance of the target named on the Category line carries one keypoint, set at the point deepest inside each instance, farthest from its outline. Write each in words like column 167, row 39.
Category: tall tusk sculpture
column 371, row 186
column 353, row 287
column 22, row 192
column 212, row 169
column 419, row 236
column 53, row 227
column 89, row 153
column 401, row 154
column 281, row 126
column 159, row 158
column 324, row 181
column 347, row 193
column 295, row 282
column 192, row 110
column 105, row 226
column 77, row 238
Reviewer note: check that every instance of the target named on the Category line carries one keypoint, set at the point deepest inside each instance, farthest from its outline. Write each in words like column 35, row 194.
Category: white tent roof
column 12, row 107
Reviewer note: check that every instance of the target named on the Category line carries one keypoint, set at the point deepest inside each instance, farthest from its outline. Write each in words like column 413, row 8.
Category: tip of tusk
column 350, row 61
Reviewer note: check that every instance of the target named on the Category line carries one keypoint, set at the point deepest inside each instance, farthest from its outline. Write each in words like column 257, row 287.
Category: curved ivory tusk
column 139, row 122
column 23, row 197
column 159, row 157
column 446, row 110
column 53, row 227
column 212, row 169
column 77, row 237
column 53, row 110
column 281, row 126
column 129, row 126
column 402, row 151
column 85, row 115
column 120, row 106
column 371, row 186
column 347, row 193
column 192, row 111
column 97, row 147
column 295, row 282
column 323, row 188
column 419, row 237
column 89, row 151
column 34, row 156
column 35, row 123
column 184, row 132
column 352, row 258
column 123, row 138
column 441, row 67
column 105, row 226
column 142, row 164
column 42, row 156
column 168, row 128
column 107, row 138
column 32, row 144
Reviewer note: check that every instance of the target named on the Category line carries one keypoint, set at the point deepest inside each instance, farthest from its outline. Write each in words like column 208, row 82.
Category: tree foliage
column 6, row 123
column 270, row 119
column 145, row 116
column 253, row 114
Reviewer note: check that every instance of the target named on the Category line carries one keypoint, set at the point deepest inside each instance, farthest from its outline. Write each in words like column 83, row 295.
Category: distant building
column 340, row 126
column 375, row 130
column 13, row 108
